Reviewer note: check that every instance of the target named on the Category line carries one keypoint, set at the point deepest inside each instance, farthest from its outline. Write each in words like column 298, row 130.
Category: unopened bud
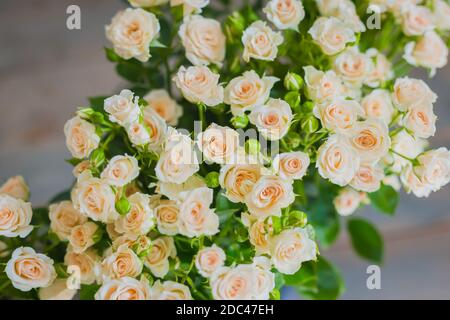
column 298, row 218
column 293, row 82
column 252, row 146
column 123, row 206
column 240, row 122
column 293, row 98
column 308, row 106
column 310, row 124
column 212, row 179
column 97, row 157
column 293, row 140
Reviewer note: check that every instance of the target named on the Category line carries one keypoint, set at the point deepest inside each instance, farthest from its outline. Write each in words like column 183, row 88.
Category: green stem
column 201, row 114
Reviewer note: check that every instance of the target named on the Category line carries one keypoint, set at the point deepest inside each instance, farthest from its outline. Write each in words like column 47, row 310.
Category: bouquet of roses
column 226, row 162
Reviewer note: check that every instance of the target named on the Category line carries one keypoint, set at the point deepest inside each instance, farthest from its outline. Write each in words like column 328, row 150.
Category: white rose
column 121, row 170
column 430, row 51
column 81, row 167
column 82, row 236
column 203, row 40
column 196, row 218
column 28, row 270
column 131, row 31
column 347, row 201
column 218, row 144
column 268, row 196
column 337, row 161
column 190, row 6
column 81, row 138
column 353, row 66
column 321, row 86
column 260, row 42
column 238, row 180
column 16, row 187
column 147, row 3
column 368, row 178
column 94, row 198
column 339, row 114
column 285, row 14
column 272, row 119
column 86, row 262
column 167, row 212
column 370, row 139
column 331, row 35
column 138, row 134
column 381, row 71
column 170, row 290
column 57, row 291
column 158, row 258
column 139, row 220
column 291, row 165
column 247, row 91
column 412, row 183
column 409, row 92
column 157, row 128
column 199, row 84
column 209, row 259
column 290, row 248
column 397, row 6
column 441, row 12
column 166, row 107
column 258, row 232
column 420, row 120
column 125, row 288
column 123, row 108
column 265, row 279
column 63, row 217
column 406, row 145
column 173, row 190
column 434, row 168
column 238, row 283
column 416, row 20
column 378, row 104
column 15, row 217
column 122, row 263
column 178, row 162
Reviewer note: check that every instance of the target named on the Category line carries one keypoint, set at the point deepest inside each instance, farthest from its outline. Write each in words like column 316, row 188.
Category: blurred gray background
column 46, row 71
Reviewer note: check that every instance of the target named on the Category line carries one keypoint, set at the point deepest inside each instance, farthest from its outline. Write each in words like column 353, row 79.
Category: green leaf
column 366, row 240
column 111, row 55
column 130, row 71
column 306, row 276
column 87, row 292
column 385, row 199
column 156, row 44
column 97, row 102
column 63, row 195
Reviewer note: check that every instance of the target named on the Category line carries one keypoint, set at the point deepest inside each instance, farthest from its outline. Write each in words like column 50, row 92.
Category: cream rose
column 139, row 220
column 81, row 167
column 196, row 218
column 258, row 232
column 209, row 259
column 121, row 170
column 123, row 108
column 353, row 66
column 430, row 51
column 63, row 217
column 322, row 86
column 407, row 146
column 412, row 183
column 167, row 212
column 138, row 134
column 157, row 260
column 125, row 288
column 57, row 291
column 166, row 107
column 331, row 35
column 368, row 178
column 82, row 236
column 218, row 144
column 260, row 42
column 420, row 120
column 238, row 180
column 247, row 91
column 203, row 40
column 268, row 196
column 409, row 92
column 285, row 14
column 170, row 290
column 416, row 20
column 86, row 262
column 265, row 279
column 29, row 270
column 238, row 283
column 190, row 6
column 378, row 104
column 434, row 168
column 382, row 69
column 272, row 119
column 199, row 84
column 173, row 190
column 347, row 201
column 290, row 249
column 337, row 161
column 291, row 165
column 81, row 138
column 122, row 263
column 16, row 187
column 339, row 114
column 15, row 217
column 441, row 12
column 94, row 198
column 370, row 139
column 131, row 31
column 157, row 128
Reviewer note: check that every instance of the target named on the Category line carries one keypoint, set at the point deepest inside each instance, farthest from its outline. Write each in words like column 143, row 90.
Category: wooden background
column 46, row 71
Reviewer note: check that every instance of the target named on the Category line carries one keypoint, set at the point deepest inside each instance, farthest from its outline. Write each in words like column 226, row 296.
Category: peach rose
column 15, row 217
column 218, row 144
column 158, row 258
column 265, row 279
column 122, row 263
column 166, row 107
column 139, row 220
column 412, row 183
column 81, row 138
column 260, row 42
column 291, row 165
column 339, row 114
column 285, row 14
column 16, row 187
column 441, row 12
column 209, row 259
column 238, row 180
column 138, row 134
column 123, row 108
column 167, row 217
column 238, row 283
column 368, row 178
column 353, row 66
column 420, row 120
column 81, row 167
column 416, row 20
column 170, row 290
column 378, row 104
column 258, row 232
column 86, row 262
column 409, row 92
column 121, row 170
column 63, row 217
column 57, row 291
column 157, row 128
column 82, row 236
column 322, row 86
column 434, row 168
column 125, row 288
column 331, row 35
column 347, row 201
column 382, row 69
